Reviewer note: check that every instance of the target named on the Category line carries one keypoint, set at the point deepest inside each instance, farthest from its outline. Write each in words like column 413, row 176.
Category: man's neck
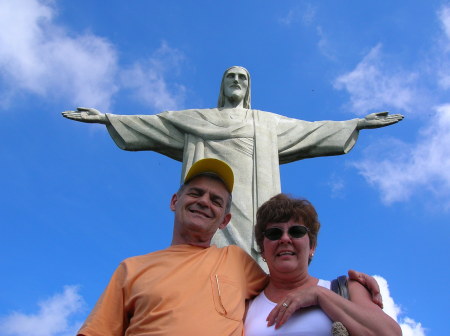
column 194, row 241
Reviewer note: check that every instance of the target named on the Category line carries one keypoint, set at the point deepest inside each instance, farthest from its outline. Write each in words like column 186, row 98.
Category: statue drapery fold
column 254, row 143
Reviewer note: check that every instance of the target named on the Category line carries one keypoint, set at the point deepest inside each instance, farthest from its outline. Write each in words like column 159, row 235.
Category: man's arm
column 87, row 115
column 370, row 283
column 109, row 316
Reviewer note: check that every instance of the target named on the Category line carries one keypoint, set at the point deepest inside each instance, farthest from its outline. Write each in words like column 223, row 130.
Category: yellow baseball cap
column 213, row 166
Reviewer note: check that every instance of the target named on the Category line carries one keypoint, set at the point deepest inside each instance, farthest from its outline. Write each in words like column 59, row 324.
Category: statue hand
column 378, row 119
column 87, row 115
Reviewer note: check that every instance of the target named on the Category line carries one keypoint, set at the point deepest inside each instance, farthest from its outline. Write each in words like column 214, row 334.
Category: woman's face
column 287, row 254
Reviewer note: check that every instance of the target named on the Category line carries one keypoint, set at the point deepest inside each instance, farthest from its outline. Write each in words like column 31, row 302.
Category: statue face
column 235, row 84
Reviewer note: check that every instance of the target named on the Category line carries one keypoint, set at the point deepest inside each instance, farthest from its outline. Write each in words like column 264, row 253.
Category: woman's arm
column 359, row 314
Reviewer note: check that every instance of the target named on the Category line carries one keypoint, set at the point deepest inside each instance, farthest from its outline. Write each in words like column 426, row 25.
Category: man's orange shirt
column 182, row 290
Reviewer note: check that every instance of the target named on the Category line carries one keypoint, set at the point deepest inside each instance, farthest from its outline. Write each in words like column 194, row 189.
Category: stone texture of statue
column 253, row 142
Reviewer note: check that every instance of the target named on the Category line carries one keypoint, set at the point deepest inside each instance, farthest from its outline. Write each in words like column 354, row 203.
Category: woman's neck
column 278, row 287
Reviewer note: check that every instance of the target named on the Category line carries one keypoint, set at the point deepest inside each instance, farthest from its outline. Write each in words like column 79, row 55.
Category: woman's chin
column 284, row 266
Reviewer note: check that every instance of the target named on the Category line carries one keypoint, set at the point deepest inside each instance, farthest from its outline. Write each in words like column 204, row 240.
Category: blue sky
column 73, row 205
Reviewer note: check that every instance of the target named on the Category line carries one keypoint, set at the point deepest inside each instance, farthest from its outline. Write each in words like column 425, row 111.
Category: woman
column 286, row 232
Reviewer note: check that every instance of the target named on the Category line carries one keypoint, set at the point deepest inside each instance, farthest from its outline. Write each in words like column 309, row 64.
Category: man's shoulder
column 248, row 267
column 236, row 252
column 180, row 251
column 230, row 249
column 143, row 257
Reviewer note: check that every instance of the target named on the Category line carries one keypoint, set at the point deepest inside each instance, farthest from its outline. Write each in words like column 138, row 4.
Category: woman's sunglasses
column 296, row 231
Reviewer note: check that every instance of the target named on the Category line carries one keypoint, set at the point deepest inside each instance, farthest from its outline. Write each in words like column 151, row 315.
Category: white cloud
column 443, row 54
column 40, row 57
column 408, row 325
column 305, row 13
column 324, row 44
column 444, row 16
column 148, row 80
column 290, row 17
column 337, row 186
column 400, row 170
column 309, row 14
column 376, row 84
column 373, row 86
column 54, row 317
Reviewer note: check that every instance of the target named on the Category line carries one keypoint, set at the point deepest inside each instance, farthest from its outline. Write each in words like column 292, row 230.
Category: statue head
column 222, row 95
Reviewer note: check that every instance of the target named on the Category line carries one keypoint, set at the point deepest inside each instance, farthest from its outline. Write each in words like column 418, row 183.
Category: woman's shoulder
column 324, row 283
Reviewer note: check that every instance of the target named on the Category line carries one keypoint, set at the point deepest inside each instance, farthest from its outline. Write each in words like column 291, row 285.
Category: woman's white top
column 310, row 321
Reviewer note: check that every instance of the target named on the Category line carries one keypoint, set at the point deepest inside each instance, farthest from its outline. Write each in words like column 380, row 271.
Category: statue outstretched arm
column 87, row 115
column 379, row 119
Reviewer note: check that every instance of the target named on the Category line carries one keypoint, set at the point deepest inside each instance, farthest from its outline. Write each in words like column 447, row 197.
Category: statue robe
column 254, row 143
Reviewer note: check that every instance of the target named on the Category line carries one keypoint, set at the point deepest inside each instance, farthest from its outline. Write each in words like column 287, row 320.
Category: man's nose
column 203, row 201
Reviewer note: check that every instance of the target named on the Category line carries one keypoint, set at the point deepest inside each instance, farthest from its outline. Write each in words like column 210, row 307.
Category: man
column 253, row 142
column 190, row 288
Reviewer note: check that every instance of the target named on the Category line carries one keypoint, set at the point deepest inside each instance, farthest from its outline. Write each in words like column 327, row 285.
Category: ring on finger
column 285, row 305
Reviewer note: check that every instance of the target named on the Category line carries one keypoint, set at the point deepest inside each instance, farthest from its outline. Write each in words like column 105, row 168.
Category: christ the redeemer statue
column 254, row 143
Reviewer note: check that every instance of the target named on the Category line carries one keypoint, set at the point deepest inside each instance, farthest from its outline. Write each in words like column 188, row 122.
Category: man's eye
column 243, row 77
column 217, row 203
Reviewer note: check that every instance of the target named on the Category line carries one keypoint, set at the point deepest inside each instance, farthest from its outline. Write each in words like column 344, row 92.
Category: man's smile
column 200, row 212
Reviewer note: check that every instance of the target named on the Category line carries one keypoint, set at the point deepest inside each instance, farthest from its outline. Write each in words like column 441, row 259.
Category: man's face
column 235, row 83
column 200, row 206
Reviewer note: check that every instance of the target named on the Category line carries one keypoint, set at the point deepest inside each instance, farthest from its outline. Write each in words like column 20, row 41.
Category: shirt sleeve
column 108, row 316
column 256, row 279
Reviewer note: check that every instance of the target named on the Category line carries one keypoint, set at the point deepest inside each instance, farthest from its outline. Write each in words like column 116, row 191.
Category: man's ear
column 173, row 201
column 225, row 221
